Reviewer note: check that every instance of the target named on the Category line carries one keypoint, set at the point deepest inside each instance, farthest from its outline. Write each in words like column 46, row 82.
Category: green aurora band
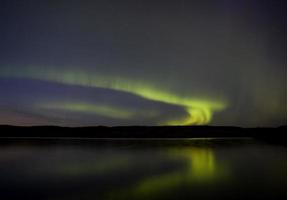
column 103, row 110
column 200, row 110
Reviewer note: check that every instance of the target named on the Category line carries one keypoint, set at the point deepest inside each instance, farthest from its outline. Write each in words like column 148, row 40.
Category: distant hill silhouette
column 268, row 134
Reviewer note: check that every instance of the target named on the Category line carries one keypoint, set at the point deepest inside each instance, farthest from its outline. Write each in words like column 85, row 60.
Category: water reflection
column 202, row 165
column 106, row 170
column 199, row 167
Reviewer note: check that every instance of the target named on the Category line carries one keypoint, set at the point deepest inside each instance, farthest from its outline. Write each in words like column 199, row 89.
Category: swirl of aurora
column 199, row 111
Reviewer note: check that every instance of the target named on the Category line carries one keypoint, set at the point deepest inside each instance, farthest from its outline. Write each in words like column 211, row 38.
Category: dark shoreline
column 268, row 134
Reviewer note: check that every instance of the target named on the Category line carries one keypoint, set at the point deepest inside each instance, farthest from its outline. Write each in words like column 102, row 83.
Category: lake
column 150, row 169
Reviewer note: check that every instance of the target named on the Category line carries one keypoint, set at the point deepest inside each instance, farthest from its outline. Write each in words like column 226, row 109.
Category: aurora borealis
column 82, row 63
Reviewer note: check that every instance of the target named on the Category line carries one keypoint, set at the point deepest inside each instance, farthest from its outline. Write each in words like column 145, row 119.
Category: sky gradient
column 141, row 62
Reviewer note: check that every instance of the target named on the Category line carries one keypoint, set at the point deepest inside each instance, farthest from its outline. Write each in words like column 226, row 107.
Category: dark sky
column 141, row 62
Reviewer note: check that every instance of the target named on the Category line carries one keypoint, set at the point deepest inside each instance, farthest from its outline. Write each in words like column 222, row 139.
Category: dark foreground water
column 134, row 169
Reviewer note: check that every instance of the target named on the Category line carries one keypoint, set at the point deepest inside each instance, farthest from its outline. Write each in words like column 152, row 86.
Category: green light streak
column 200, row 110
column 103, row 110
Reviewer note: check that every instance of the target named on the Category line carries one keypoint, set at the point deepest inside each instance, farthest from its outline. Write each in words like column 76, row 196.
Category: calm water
column 134, row 169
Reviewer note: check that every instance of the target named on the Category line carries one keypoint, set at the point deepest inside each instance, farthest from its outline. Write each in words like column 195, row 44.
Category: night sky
column 143, row 62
